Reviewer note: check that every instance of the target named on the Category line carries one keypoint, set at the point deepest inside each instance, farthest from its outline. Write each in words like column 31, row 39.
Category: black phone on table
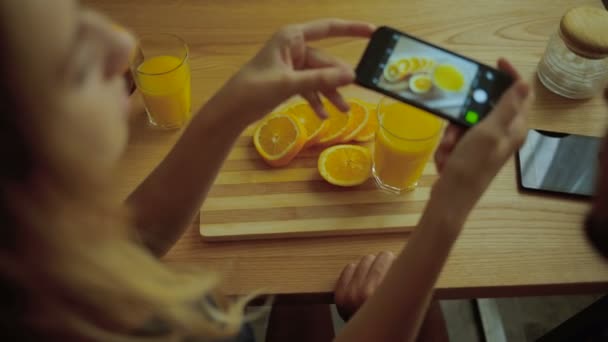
column 442, row 82
column 559, row 162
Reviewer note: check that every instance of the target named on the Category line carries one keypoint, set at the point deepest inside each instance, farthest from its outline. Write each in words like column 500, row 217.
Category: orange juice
column 405, row 140
column 164, row 82
column 448, row 77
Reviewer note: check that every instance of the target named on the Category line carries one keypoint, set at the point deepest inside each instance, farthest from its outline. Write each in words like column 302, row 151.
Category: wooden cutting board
column 251, row 200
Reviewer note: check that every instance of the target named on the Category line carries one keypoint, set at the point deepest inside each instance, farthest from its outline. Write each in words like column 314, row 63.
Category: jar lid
column 585, row 31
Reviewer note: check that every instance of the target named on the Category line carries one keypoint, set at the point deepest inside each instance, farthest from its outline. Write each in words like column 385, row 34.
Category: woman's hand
column 359, row 281
column 286, row 66
column 468, row 161
column 451, row 136
column 395, row 313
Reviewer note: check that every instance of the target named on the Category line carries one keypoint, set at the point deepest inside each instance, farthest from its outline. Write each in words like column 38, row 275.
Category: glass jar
column 575, row 63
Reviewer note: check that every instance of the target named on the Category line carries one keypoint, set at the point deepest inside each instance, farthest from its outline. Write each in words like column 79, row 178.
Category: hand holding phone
column 454, row 133
column 468, row 161
column 286, row 66
column 442, row 82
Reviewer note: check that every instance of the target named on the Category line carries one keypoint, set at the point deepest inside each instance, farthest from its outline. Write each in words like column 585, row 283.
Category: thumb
column 511, row 104
column 323, row 79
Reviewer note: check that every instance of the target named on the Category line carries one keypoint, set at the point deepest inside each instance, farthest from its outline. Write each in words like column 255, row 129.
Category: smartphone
column 559, row 162
column 439, row 81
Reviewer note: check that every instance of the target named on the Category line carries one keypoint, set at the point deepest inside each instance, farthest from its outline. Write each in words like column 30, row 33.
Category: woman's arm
column 167, row 200
column 397, row 308
column 165, row 203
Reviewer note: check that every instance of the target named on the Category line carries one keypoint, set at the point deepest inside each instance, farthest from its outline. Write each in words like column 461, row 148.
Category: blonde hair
column 86, row 276
column 71, row 258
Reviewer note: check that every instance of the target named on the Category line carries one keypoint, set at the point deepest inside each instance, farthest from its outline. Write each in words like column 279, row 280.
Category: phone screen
column 559, row 162
column 432, row 78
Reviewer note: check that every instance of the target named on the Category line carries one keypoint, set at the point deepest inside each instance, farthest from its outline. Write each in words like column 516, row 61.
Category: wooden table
column 513, row 243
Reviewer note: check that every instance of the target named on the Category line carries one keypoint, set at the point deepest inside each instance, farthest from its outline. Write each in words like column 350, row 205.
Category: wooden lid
column 585, row 31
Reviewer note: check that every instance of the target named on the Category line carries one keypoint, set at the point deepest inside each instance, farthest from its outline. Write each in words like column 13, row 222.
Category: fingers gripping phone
column 442, row 82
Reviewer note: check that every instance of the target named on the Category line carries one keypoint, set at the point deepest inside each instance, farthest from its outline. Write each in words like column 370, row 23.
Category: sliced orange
column 369, row 105
column 423, row 63
column 404, row 66
column 369, row 131
column 279, row 138
column 337, row 123
column 428, row 65
column 358, row 116
column 414, row 64
column 315, row 126
column 345, row 165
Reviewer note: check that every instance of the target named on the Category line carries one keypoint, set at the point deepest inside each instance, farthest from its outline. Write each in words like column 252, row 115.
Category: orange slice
column 279, row 138
column 428, row 64
column 369, row 131
column 369, row 105
column 345, row 165
column 414, row 64
column 404, row 66
column 392, row 73
column 315, row 126
column 358, row 116
column 423, row 63
column 337, row 123
column 397, row 70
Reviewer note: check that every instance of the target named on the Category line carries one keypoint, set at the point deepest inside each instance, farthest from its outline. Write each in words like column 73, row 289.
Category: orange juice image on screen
column 448, row 77
column 164, row 82
column 405, row 140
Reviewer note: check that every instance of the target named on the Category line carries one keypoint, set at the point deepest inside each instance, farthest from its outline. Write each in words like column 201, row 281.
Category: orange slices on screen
column 415, row 64
column 391, row 73
column 358, row 116
column 314, row 125
column 279, row 138
column 345, row 165
column 338, row 125
column 404, row 66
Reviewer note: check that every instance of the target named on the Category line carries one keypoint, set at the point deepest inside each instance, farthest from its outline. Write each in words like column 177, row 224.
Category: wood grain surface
column 251, row 200
column 513, row 243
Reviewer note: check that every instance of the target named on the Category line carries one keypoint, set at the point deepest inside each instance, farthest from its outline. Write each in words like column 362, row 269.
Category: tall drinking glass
column 405, row 140
column 162, row 73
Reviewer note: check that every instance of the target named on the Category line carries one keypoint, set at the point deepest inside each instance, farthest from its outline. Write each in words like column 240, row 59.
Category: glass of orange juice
column 405, row 140
column 162, row 73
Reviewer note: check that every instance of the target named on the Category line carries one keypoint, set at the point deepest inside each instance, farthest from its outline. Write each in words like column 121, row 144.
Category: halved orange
column 315, row 126
column 345, row 165
column 369, row 131
column 358, row 116
column 337, row 123
column 279, row 138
